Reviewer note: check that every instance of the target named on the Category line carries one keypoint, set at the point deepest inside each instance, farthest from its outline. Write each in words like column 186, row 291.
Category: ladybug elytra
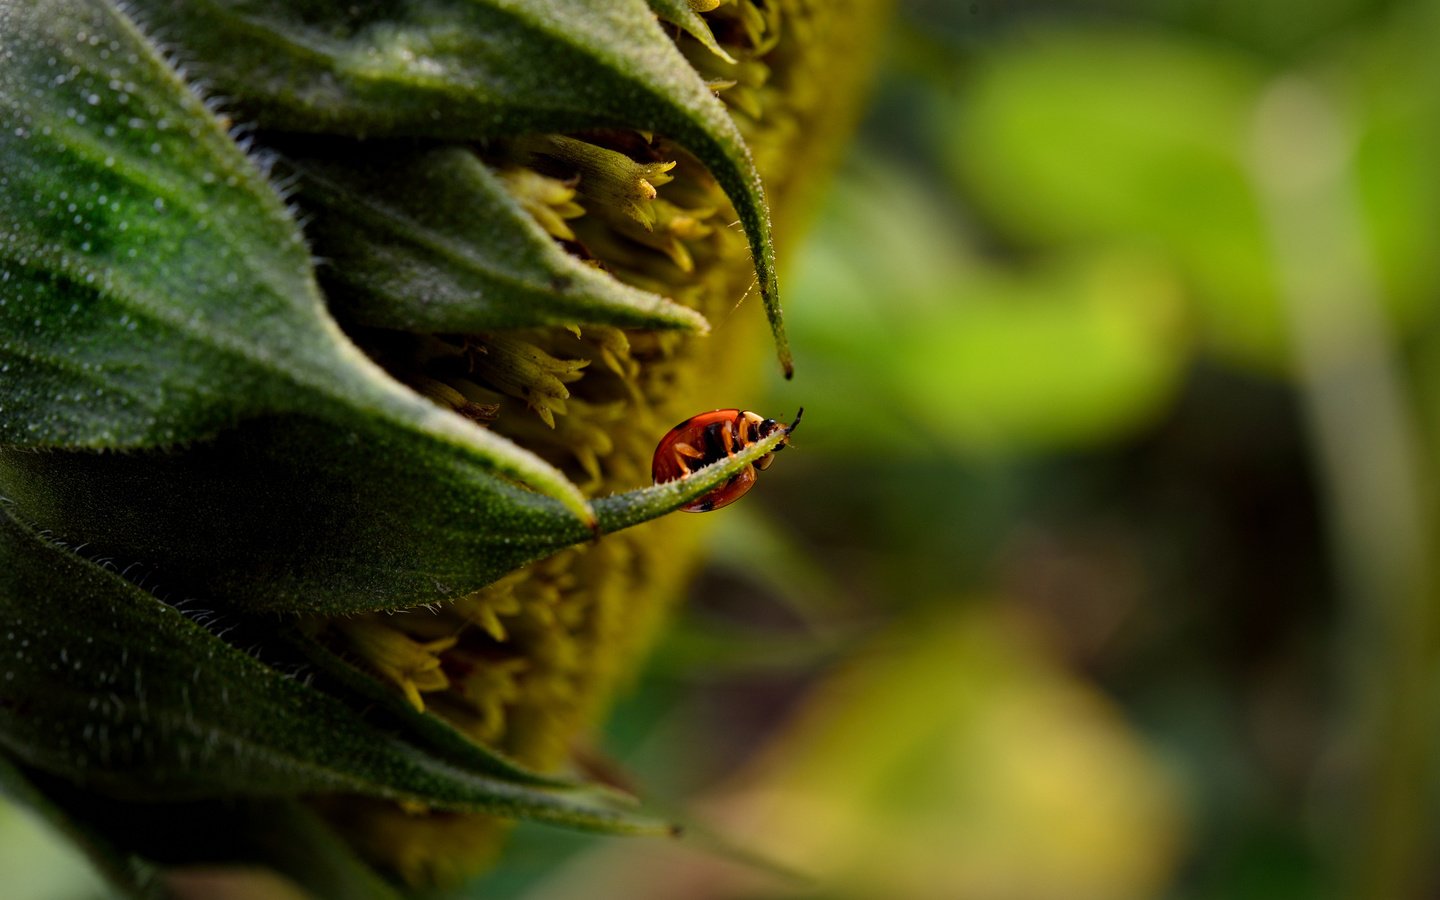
column 710, row 437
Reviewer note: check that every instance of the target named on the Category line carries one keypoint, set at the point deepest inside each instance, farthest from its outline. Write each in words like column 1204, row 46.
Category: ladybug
column 710, row 437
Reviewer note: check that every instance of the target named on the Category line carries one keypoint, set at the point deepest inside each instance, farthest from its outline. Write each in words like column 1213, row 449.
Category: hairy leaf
column 125, row 694
column 153, row 289
column 291, row 515
column 430, row 240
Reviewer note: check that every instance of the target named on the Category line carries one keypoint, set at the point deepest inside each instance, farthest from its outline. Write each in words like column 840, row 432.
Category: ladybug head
column 769, row 426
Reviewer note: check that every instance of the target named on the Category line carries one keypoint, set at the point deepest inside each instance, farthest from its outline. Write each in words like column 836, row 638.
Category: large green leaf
column 467, row 69
column 430, row 240
column 153, row 289
column 126, row 695
column 291, row 514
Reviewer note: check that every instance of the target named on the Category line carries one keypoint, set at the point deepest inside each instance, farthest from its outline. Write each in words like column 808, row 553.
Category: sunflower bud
column 328, row 438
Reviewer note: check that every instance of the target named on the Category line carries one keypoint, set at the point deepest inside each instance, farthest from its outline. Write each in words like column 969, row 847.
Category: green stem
column 1372, row 467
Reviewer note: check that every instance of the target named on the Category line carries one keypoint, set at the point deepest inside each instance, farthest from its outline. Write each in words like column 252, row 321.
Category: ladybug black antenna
column 791, row 427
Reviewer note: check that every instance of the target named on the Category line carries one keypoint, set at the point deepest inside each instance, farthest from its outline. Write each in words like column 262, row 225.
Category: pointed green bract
column 682, row 14
column 126, row 695
column 428, row 732
column 430, row 241
column 153, row 288
column 295, row 841
column 467, row 70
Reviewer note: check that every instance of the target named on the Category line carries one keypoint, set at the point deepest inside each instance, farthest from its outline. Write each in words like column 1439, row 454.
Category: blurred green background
column 1102, row 564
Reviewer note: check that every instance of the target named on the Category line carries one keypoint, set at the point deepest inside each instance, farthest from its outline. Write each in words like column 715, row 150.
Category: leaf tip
column 770, row 295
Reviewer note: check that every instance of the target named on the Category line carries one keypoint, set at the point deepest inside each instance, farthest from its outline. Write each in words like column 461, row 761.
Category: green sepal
column 153, row 288
column 285, row 836
column 467, row 70
column 112, row 689
column 430, row 241
column 680, row 13
column 292, row 839
column 431, row 733
column 292, row 516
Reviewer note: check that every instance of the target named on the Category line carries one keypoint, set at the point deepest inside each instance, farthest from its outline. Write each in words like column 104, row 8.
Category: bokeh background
column 1102, row 566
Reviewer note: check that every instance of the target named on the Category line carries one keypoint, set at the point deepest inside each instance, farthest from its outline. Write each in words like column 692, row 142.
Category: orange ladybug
column 710, row 437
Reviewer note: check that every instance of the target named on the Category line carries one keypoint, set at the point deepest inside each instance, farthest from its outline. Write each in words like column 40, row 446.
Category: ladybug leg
column 727, row 438
column 742, row 429
column 684, row 451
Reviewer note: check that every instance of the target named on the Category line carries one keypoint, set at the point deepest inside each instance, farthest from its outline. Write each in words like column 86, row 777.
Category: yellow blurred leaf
column 957, row 760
